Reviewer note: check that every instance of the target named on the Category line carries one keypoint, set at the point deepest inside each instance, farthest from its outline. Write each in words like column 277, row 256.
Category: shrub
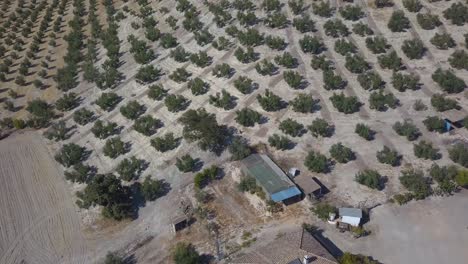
column 296, row 6
column 108, row 101
column 204, row 177
column 377, row 44
column 103, row 130
column 403, row 82
column 320, row 127
column 413, row 49
column 441, row 103
column 398, row 22
column 321, row 62
column 419, row 105
column 152, row 189
column 459, row 60
column 351, row 12
column 412, row 5
column 147, row 125
column 222, row 70
column 130, row 169
column 303, row 103
column 344, row 104
column 462, row 178
column 341, row 153
column 304, row 24
column 425, row 150
column 265, row 67
column 83, row 116
column 147, row 74
column 198, row 86
column 310, row 44
column 344, row 47
column 435, row 123
column 415, row 182
column 81, row 173
column 221, row 43
column 280, row 142
column 157, row 92
column 132, row 110
column 445, row 177
column 457, row 13
column 276, row 20
column 381, row 101
column 403, row 198
column 356, row 64
column 370, row 178
column 335, row 28
column 323, row 210
column 448, row 81
column 443, row 41
column 165, row 143
column 332, row 81
column 349, row 258
column 388, row 156
column 203, row 37
column 186, row 163
column 245, row 56
column 247, row 117
column 223, row 100
column 293, row 79
column 167, row 41
column 323, row 9
column 286, row 60
column 459, row 154
column 407, row 129
column 370, row 80
column 247, row 18
column 114, row 147
column 185, row 254
column 270, row 102
column 176, row 103
column 244, row 84
column 179, row 54
column 291, row 127
column 67, row 102
column 271, row 5
column 70, row 154
column 390, row 61
column 275, row 43
column 251, row 37
column 239, row 148
column 180, row 75
column 317, row 162
column 200, row 59
column 364, row 131
column 362, row 29
column 428, row 21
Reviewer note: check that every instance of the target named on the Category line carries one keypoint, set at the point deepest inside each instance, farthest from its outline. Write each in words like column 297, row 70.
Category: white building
column 351, row 216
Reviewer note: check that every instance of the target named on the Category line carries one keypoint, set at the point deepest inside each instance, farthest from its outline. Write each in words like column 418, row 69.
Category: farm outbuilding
column 351, row 216
column 271, row 178
column 309, row 186
column 454, row 119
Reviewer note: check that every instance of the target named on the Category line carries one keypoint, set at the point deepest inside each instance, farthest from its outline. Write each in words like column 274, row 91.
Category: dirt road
column 38, row 220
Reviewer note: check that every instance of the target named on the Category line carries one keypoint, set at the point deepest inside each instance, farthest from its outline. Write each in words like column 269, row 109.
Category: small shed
column 453, row 119
column 179, row 223
column 351, row 216
column 309, row 186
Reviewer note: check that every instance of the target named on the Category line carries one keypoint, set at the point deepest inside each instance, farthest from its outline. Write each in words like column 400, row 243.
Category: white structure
column 351, row 216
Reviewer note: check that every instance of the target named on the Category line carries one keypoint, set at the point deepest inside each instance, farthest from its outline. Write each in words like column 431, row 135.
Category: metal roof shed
column 350, row 216
column 275, row 182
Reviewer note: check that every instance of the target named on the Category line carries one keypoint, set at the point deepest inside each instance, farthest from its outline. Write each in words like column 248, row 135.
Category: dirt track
column 38, row 221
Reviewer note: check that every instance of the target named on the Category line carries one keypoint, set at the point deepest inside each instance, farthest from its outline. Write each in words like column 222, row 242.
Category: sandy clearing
column 39, row 222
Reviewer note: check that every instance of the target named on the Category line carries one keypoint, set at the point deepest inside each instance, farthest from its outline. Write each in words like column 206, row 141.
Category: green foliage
column 398, row 22
column 83, row 116
column 130, row 169
column 142, row 53
column 434, row 123
column 370, row 80
column 147, row 74
column 70, row 154
column 310, row 44
column 276, row 20
column 304, row 24
column 179, row 54
column 335, row 28
column 249, row 184
column 370, row 178
column 247, row 117
column 341, row 154
column 244, row 84
column 419, row 105
column 428, row 21
column 351, row 12
column 317, row 162
column 186, row 163
column 152, row 189
column 413, row 49
column 106, row 190
column 349, row 258
column 403, row 82
column 415, row 182
column 344, row 47
column 265, row 67
column 296, row 6
column 389, row 156
column 443, row 41
column 176, row 103
column 457, row 13
column 303, row 103
column 459, row 60
column 356, row 64
column 345, row 104
column 323, row 210
column 204, row 177
column 114, row 147
column 168, row 41
column 157, row 92
column 221, row 43
column 403, row 198
column 286, row 60
column 180, row 75
column 462, row 178
column 198, row 86
column 441, row 103
column 381, row 101
column 113, row 258
column 448, row 81
column 280, row 142
column 425, row 150
column 362, row 29
column 291, row 127
column 102, row 130
column 247, row 18
column 321, row 62
column 245, row 56
column 293, row 79
column 203, row 37
column 147, row 125
column 407, row 129
column 41, row 112
column 239, row 148
column 270, row 102
column 223, row 70
column 412, row 5
column 459, row 154
column 200, row 59
column 275, row 42
column 185, row 254
column 320, row 127
column 364, row 131
column 271, row 5
column 250, row 37
column 67, row 102
column 390, row 61
column 57, row 131
column 223, row 100
column 165, row 143
column 445, row 177
column 132, row 110
column 81, row 173
column 323, row 9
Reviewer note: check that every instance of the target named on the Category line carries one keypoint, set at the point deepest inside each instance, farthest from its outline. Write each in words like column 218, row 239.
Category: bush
column 275, row 43
column 323, row 210
column 186, row 163
column 147, row 125
column 321, row 62
column 341, row 153
column 398, row 22
column 435, row 123
column 204, row 177
column 304, row 24
column 108, row 101
column 223, row 100
column 364, row 131
column 247, row 117
column 335, row 28
column 356, row 64
column 251, row 37
column 223, row 70
column 244, row 84
column 296, row 6
column 448, row 81
column 276, row 20
column 167, row 41
column 428, row 21
column 344, row 104
column 41, row 111
column 351, row 12
column 247, row 18
column 412, row 5
column 221, row 43
column 370, row 80
column 459, row 60
column 362, row 29
column 102, row 130
column 70, row 154
column 245, row 56
column 147, row 74
column 293, row 79
column 83, row 116
column 280, row 142
column 442, row 103
column 271, row 5
column 165, row 143
column 303, row 103
column 67, row 102
column 401, row 199
column 179, row 54
column 317, row 162
column 415, row 182
column 445, row 177
column 180, row 75
column 344, row 47
column 157, row 92
column 381, row 101
column 81, row 173
column 407, row 129
column 114, row 147
column 286, row 60
column 323, row 9
column 388, row 156
column 239, row 148
column 152, row 189
column 370, row 178
column 291, row 127
column 413, row 49
column 390, row 61
column 270, row 102
column 198, row 86
column 265, row 67
column 132, row 110
column 130, row 169
column 403, row 82
column 203, row 37
column 320, row 127
column 185, row 254
column 419, row 105
column 462, row 178
column 200, row 59
column 332, row 81
column 176, row 103
column 457, row 13
column 443, row 41
column 425, row 150
column 349, row 258
column 459, row 154
column 310, row 44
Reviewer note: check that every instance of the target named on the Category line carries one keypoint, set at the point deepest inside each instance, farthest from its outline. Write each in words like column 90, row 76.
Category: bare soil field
column 38, row 221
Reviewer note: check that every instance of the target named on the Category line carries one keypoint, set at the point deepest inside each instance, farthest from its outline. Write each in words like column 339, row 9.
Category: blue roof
column 285, row 194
